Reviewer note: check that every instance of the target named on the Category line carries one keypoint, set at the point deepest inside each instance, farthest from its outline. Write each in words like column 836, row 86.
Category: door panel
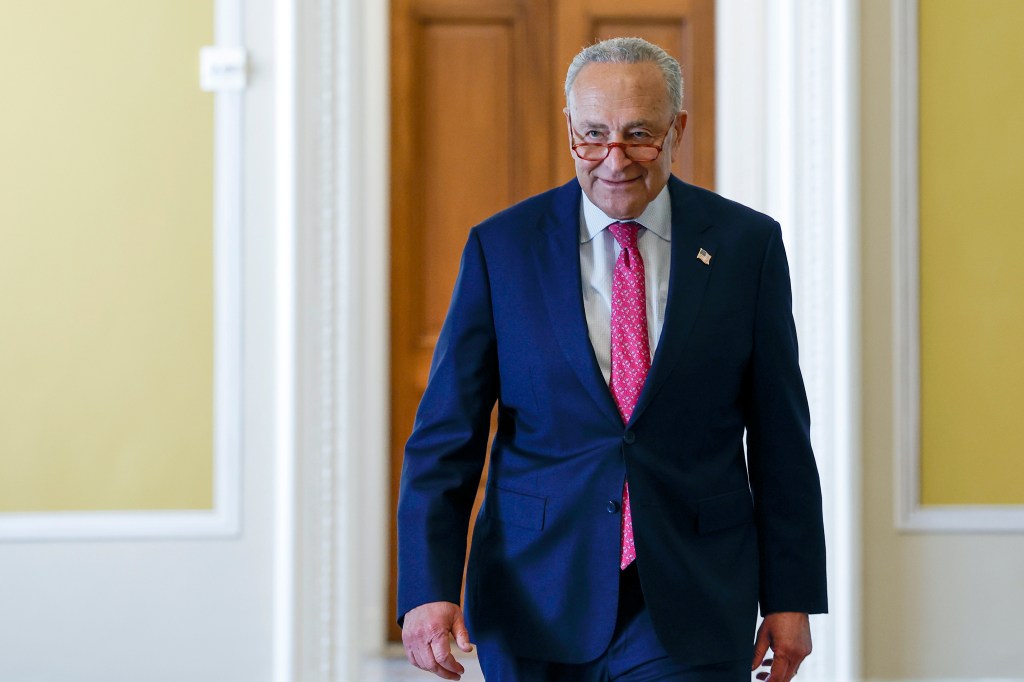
column 457, row 147
column 470, row 133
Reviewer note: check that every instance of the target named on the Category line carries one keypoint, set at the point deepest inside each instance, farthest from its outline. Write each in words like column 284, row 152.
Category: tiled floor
column 397, row 669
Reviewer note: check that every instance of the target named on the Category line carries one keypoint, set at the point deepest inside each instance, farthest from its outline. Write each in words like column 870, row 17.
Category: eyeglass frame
column 625, row 146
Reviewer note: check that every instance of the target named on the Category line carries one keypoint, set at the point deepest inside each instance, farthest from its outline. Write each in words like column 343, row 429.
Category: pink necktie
column 631, row 354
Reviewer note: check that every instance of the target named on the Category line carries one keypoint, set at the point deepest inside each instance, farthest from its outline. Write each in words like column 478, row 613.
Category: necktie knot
column 625, row 234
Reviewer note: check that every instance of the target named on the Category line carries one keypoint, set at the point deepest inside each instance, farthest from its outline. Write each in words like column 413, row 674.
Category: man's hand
column 425, row 633
column 789, row 636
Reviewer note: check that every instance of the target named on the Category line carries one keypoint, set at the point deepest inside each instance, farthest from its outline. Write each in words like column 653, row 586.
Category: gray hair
column 629, row 51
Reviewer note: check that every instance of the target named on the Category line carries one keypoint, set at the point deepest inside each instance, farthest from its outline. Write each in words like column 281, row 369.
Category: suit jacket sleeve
column 445, row 454
column 783, row 475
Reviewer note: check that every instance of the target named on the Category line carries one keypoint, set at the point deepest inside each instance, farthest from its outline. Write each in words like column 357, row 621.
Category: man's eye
column 592, row 134
column 639, row 135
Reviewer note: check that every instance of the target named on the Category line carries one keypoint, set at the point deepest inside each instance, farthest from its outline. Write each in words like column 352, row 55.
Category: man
column 631, row 328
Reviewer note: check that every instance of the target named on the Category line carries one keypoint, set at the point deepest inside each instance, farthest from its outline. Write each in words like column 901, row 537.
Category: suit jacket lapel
column 688, row 279
column 557, row 257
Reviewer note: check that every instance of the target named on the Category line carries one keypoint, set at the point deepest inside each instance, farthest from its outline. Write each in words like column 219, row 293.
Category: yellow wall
column 972, row 250
column 105, row 256
column 934, row 605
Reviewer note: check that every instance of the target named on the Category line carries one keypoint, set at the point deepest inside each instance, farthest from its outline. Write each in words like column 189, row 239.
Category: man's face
column 623, row 103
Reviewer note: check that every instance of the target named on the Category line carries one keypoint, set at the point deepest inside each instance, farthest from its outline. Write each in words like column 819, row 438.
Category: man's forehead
column 639, row 87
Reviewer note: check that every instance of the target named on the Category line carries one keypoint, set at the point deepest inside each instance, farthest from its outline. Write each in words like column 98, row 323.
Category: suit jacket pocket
column 517, row 509
column 724, row 511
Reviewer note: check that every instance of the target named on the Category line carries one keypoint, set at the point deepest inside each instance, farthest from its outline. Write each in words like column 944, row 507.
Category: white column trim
column 340, row 460
column 285, row 368
column 223, row 519
column 364, row 432
column 306, row 572
column 911, row 515
column 787, row 84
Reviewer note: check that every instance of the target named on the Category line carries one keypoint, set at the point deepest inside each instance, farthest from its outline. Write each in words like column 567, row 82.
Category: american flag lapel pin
column 704, row 257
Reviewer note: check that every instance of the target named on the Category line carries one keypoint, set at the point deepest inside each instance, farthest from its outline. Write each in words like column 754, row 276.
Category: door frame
column 779, row 123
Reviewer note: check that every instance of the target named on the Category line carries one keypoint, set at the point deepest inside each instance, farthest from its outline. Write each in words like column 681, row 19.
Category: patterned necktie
column 631, row 353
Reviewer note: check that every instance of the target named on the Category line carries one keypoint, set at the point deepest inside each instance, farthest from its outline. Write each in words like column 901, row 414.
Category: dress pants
column 633, row 655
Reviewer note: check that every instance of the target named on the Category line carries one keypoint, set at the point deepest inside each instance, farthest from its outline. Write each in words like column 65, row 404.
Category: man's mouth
column 625, row 182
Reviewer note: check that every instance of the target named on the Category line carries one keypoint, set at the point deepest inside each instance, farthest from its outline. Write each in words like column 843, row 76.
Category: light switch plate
column 222, row 69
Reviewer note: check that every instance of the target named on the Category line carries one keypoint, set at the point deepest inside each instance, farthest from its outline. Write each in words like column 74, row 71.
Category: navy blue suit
column 713, row 537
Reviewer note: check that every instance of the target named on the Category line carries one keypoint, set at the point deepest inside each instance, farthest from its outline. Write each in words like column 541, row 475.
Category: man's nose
column 617, row 159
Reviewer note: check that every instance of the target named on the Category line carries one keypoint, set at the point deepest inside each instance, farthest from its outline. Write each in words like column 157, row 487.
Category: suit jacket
column 715, row 532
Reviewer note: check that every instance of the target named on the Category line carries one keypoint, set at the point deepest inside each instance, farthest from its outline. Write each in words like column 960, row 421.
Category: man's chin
column 621, row 210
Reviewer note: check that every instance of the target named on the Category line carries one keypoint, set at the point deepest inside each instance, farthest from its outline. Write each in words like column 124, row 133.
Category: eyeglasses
column 599, row 151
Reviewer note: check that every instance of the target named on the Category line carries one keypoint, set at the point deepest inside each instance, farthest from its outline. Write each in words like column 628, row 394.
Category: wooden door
column 476, row 111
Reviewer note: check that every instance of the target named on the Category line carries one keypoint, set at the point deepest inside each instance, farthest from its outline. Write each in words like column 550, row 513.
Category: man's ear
column 568, row 123
column 679, row 126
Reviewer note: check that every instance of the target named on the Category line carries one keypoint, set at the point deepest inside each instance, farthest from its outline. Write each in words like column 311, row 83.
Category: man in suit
column 631, row 328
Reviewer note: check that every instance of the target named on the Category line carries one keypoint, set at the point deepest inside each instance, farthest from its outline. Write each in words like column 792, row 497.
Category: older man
column 631, row 328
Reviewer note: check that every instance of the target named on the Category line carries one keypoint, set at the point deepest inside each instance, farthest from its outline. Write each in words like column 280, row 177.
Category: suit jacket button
column 612, row 507
column 629, row 437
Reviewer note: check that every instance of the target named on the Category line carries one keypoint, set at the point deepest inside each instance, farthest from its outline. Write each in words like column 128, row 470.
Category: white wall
column 156, row 609
column 935, row 605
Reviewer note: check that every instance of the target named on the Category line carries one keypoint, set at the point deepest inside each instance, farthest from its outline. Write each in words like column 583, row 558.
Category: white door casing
column 787, row 145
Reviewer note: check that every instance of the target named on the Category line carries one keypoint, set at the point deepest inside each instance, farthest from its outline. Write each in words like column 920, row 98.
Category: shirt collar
column 657, row 217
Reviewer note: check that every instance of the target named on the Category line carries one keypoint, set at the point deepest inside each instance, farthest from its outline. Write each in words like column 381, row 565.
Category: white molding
column 365, row 427
column 229, row 389
column 224, row 519
column 910, row 514
column 906, row 323
column 333, row 184
column 319, row 464
column 844, row 215
column 787, row 88
column 312, row 98
column 964, row 519
column 118, row 525
column 285, row 636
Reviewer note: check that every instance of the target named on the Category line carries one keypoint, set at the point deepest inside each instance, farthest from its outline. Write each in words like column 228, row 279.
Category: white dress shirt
column 598, row 252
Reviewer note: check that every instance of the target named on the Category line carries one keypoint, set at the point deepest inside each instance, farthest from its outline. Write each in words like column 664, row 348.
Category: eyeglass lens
column 598, row 152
